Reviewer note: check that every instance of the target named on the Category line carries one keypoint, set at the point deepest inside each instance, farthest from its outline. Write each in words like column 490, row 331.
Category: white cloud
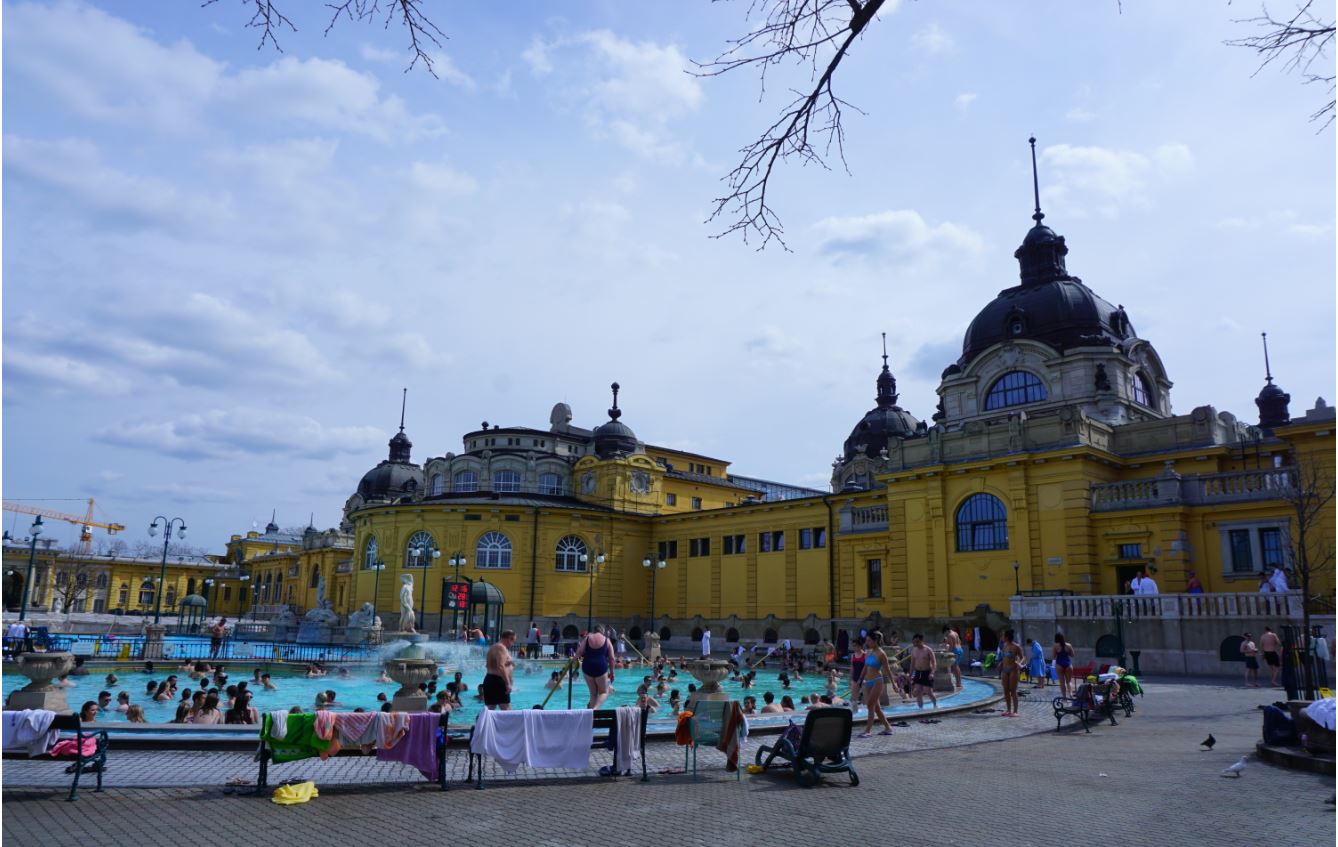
column 933, row 40
column 1079, row 115
column 74, row 171
column 239, row 432
column 52, row 371
column 372, row 53
column 536, row 56
column 900, row 234
column 964, row 100
column 439, row 178
column 1110, row 179
column 106, row 69
column 448, row 71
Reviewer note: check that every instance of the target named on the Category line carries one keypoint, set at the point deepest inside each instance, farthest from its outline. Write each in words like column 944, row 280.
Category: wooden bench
column 95, row 762
column 605, row 719
column 266, row 754
column 1091, row 700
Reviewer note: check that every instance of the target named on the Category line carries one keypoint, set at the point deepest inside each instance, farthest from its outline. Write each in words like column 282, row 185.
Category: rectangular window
column 668, row 550
column 511, row 518
column 1131, row 551
column 1271, row 549
column 699, row 547
column 99, row 606
column 875, row 567
column 1242, row 558
column 473, row 517
column 778, row 540
column 820, row 536
column 671, row 499
column 696, row 502
column 227, row 593
column 805, row 539
column 734, row 545
column 770, row 542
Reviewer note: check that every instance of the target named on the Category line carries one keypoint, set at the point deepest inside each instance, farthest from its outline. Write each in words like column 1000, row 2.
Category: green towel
column 1130, row 682
column 299, row 741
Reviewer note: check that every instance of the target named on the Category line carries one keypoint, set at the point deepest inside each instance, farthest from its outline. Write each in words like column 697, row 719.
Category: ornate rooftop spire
column 615, row 412
column 887, row 384
column 1042, row 253
column 1038, row 216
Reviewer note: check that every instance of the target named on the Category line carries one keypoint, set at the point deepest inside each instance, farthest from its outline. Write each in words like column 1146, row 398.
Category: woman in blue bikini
column 875, row 677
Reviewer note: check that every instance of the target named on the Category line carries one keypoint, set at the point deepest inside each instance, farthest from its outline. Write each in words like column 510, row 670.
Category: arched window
column 146, row 593
column 982, row 524
column 102, row 580
column 123, row 595
column 493, row 551
column 418, row 552
column 570, row 550
column 278, row 587
column 551, row 483
column 315, row 577
column 436, row 485
column 466, row 481
column 171, row 598
column 190, row 585
column 1141, row 390
column 1015, row 388
column 369, row 554
column 506, row 481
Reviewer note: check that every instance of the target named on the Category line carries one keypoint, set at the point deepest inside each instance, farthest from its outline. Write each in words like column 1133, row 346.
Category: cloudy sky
column 221, row 264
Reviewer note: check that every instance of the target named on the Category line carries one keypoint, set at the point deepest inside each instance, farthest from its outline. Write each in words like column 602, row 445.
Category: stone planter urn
column 709, row 672
column 41, row 668
column 410, row 669
column 652, row 644
column 944, row 682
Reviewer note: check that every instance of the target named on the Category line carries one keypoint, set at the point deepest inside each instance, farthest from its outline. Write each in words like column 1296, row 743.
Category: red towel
column 68, row 747
column 728, row 742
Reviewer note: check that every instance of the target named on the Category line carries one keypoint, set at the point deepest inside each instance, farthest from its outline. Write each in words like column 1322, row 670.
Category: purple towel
column 419, row 747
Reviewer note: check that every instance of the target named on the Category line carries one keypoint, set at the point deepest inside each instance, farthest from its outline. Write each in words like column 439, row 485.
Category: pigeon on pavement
column 1235, row 770
column 1209, row 742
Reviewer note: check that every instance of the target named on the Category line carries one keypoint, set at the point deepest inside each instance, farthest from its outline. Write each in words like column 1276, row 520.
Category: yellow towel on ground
column 297, row 792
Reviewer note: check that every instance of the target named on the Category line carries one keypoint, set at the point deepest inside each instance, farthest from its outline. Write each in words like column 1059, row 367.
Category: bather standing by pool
column 496, row 687
column 874, row 679
column 596, row 656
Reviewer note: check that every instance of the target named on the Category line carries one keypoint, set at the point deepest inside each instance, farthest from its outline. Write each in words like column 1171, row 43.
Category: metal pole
column 376, row 585
column 162, row 576
column 590, row 604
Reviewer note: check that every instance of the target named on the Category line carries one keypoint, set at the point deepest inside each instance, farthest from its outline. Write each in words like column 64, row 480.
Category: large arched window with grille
column 146, row 593
column 507, row 482
column 369, row 554
column 1015, row 388
column 571, row 553
column 493, row 551
column 465, row 481
column 418, row 551
column 982, row 524
column 551, row 483
column 436, row 485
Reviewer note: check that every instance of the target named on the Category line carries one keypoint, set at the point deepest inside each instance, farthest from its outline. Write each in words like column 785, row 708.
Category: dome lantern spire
column 1272, row 400
column 887, row 384
column 1042, row 253
column 400, row 445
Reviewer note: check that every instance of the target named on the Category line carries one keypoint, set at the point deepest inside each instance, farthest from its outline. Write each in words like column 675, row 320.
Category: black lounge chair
column 823, row 747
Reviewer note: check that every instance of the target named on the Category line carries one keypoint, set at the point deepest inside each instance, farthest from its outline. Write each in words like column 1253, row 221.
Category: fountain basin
column 41, row 668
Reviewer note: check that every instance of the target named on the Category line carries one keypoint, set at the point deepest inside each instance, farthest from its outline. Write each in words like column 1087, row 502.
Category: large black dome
column 394, row 477
column 614, row 436
column 1049, row 306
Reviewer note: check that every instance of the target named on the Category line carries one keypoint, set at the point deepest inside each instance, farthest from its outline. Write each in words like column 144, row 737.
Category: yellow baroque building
column 1054, row 463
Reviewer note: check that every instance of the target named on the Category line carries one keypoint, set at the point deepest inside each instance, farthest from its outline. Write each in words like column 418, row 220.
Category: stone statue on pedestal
column 407, row 618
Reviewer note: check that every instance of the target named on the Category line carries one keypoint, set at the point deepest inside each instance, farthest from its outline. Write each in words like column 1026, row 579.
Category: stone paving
column 959, row 782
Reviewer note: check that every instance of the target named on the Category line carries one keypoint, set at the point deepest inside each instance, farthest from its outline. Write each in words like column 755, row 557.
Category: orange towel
column 683, row 732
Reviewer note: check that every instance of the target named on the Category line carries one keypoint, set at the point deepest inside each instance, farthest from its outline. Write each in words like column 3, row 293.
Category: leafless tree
column 1312, row 553
column 1296, row 43
column 423, row 34
column 816, row 34
column 73, row 581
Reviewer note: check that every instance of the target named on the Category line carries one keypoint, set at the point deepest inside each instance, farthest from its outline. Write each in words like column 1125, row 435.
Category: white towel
column 278, row 724
column 629, row 733
column 534, row 737
column 1321, row 712
column 29, row 731
column 560, row 738
column 501, row 737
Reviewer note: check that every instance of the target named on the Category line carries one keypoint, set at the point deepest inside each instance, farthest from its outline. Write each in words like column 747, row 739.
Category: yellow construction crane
column 85, row 523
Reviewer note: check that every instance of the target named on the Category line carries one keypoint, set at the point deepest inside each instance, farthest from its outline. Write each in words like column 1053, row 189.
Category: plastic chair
column 824, row 747
column 706, row 725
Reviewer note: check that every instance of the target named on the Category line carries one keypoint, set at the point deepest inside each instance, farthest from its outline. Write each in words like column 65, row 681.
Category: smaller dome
column 194, row 600
column 1273, row 406
column 886, row 420
column 614, row 436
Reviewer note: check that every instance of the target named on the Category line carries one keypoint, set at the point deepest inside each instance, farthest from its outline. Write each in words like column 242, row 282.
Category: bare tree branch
column 1295, row 44
column 424, row 34
column 804, row 32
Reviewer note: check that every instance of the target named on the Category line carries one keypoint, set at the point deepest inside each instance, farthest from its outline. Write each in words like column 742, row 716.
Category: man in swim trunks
column 496, row 686
column 1251, row 656
column 1271, row 646
column 952, row 642
column 923, row 665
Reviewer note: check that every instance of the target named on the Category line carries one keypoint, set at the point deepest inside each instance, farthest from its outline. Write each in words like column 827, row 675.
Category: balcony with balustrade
column 1194, row 490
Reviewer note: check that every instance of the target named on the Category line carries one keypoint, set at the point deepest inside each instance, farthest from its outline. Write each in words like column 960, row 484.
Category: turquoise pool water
column 360, row 688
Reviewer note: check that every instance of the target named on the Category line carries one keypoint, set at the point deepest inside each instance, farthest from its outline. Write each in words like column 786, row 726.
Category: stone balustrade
column 863, row 519
column 1196, row 490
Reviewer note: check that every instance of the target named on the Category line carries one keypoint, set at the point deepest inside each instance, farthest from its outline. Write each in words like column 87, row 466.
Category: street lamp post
column 208, row 597
column 162, row 570
column 457, row 561
column 423, row 557
column 1017, row 583
column 35, row 530
column 377, row 566
column 653, row 565
column 590, row 571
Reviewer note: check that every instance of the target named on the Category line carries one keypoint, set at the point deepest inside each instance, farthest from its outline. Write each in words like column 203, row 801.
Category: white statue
column 365, row 617
column 406, row 604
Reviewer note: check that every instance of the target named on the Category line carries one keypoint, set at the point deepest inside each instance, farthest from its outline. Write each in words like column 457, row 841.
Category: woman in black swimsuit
column 596, row 657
